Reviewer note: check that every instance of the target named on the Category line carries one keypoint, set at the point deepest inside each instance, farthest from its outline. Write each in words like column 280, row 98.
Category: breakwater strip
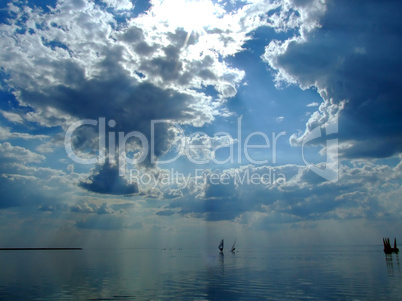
column 38, row 249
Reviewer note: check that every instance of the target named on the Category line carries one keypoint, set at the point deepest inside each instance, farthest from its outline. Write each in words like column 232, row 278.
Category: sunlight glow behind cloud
column 191, row 15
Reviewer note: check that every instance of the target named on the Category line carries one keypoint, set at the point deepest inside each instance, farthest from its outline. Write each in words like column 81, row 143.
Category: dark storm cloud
column 115, row 95
column 354, row 57
column 105, row 179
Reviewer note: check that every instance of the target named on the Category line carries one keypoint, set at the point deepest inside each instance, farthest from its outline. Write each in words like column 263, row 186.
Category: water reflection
column 393, row 267
column 294, row 274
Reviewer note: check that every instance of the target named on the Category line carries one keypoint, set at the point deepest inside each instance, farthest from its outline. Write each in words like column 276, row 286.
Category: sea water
column 332, row 273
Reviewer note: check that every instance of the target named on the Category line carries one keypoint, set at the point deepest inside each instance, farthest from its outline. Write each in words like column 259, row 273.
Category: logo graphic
column 204, row 149
column 331, row 170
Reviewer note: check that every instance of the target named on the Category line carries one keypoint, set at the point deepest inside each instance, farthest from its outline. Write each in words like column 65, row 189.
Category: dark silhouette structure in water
column 387, row 246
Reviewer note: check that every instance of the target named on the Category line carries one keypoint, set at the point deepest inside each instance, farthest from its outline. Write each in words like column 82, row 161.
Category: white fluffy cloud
column 293, row 193
column 6, row 134
column 19, row 154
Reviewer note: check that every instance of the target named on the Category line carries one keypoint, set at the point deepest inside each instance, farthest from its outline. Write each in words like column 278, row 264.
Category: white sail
column 221, row 246
column 233, row 247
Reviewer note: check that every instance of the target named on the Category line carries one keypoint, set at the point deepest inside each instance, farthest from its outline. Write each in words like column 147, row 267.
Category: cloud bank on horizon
column 202, row 67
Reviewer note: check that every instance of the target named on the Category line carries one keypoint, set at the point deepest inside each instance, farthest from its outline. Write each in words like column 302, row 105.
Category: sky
column 150, row 124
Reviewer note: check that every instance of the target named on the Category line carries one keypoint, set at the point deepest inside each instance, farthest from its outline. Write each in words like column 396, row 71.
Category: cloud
column 7, row 134
column 293, row 193
column 199, row 147
column 90, row 60
column 18, row 154
column 105, row 179
column 68, row 80
column 215, row 199
column 119, row 5
column 352, row 59
column 21, row 185
column 13, row 117
column 85, row 207
column 100, row 209
column 78, row 60
column 170, row 193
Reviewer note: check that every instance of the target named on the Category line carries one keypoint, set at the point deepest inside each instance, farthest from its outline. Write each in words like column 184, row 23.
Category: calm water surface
column 340, row 273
